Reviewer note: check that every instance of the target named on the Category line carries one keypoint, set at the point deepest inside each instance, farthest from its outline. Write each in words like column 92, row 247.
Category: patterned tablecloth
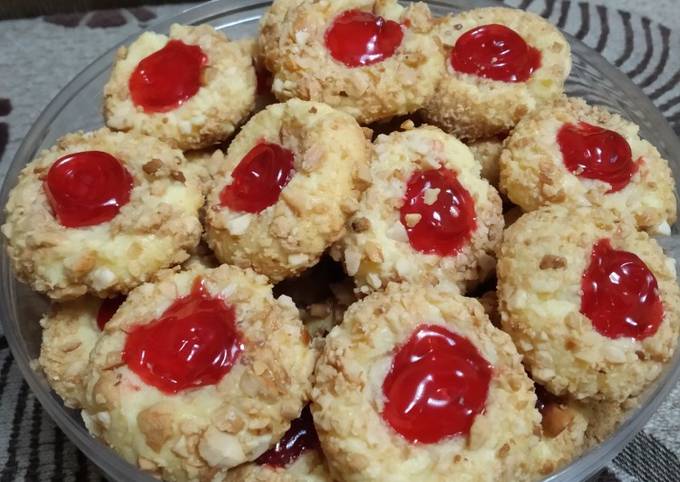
column 39, row 56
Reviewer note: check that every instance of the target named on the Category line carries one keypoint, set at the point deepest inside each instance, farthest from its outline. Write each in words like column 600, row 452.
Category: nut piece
column 550, row 261
column 152, row 166
column 556, row 418
column 431, row 196
column 412, row 219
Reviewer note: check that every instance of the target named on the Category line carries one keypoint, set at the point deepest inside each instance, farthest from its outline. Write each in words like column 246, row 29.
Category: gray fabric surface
column 39, row 56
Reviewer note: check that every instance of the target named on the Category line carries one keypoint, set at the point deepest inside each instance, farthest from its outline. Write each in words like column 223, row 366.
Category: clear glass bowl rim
column 112, row 465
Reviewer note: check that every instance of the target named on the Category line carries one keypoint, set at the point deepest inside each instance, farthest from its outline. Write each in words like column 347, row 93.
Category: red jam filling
column 495, row 52
column 620, row 295
column 87, row 188
column 259, row 178
column 167, row 78
column 446, row 209
column 437, row 385
column 107, row 309
column 596, row 153
column 300, row 437
column 357, row 38
column 194, row 343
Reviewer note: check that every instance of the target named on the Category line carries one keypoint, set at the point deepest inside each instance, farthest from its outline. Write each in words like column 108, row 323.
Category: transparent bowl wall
column 78, row 106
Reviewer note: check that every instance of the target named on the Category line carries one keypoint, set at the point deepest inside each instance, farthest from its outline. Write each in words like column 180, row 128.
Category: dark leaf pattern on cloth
column 106, row 19
column 110, row 18
column 68, row 20
column 5, row 110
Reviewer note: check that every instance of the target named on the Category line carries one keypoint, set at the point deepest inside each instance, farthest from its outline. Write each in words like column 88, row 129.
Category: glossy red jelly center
column 447, row 222
column 87, row 188
column 596, row 153
column 300, row 437
column 195, row 342
column 259, row 178
column 495, row 52
column 620, row 295
column 167, row 78
column 107, row 309
column 436, row 386
column 357, row 38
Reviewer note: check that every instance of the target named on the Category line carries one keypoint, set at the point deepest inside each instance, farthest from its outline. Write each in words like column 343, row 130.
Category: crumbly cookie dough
column 331, row 154
column 224, row 100
column 201, row 256
column 271, row 26
column 200, row 433
column 295, row 52
column 533, row 173
column 296, row 457
column 208, row 160
column 604, row 417
column 154, row 230
column 473, row 107
column 69, row 333
column 263, row 93
column 347, row 398
column 540, row 268
column 309, row 467
column 376, row 249
column 320, row 317
column 488, row 153
column 322, row 294
column 563, row 428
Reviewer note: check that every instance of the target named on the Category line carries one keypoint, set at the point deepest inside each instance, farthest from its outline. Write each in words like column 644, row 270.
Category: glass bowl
column 78, row 106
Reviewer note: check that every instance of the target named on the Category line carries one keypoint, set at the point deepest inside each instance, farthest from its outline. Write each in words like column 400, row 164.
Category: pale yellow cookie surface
column 488, row 153
column 330, row 156
column 348, row 399
column 563, row 435
column 202, row 432
column 69, row 333
column 303, row 67
column 224, row 100
column 540, row 270
column 376, row 248
column 533, row 172
column 474, row 107
column 154, row 230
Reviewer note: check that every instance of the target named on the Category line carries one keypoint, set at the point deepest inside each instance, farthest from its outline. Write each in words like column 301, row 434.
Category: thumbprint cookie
column 289, row 181
column 590, row 302
column 70, row 331
column 102, row 212
column 501, row 63
column 417, row 385
column 371, row 59
column 190, row 89
column 198, row 373
column 427, row 216
column 570, row 152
